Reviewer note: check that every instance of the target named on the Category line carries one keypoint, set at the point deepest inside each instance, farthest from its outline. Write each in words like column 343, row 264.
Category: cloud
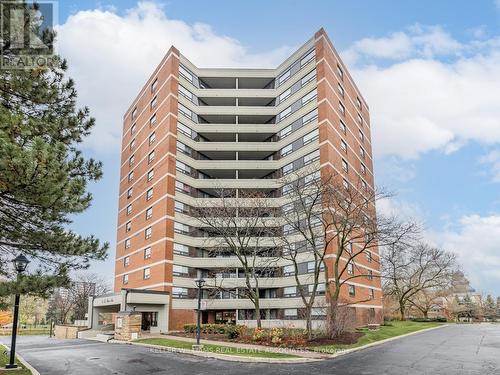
column 476, row 241
column 425, row 101
column 111, row 55
column 492, row 160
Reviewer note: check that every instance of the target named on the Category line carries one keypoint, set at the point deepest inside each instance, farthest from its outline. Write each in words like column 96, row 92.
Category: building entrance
column 149, row 319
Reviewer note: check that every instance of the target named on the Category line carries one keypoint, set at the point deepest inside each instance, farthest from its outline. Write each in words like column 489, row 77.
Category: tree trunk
column 402, row 311
column 309, row 322
column 257, row 313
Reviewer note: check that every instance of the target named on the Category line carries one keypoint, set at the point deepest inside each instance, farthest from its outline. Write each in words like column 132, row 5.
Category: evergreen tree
column 43, row 175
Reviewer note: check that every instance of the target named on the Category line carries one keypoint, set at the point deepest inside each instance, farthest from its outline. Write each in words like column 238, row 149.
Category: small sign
column 203, row 305
column 119, row 322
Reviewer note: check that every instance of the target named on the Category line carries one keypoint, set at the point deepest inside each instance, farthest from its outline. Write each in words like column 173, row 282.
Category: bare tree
column 427, row 299
column 408, row 270
column 242, row 227
column 335, row 219
column 83, row 287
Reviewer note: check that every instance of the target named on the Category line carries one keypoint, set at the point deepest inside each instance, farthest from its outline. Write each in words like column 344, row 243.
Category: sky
column 429, row 70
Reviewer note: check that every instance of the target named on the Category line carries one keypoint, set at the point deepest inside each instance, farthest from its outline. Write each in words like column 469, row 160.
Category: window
column 151, row 174
column 154, row 85
column 308, row 97
column 343, row 145
column 183, row 168
column 130, row 176
column 147, row 273
column 308, row 77
column 340, row 72
column 288, row 270
column 181, row 249
column 343, row 128
column 341, row 89
column 349, row 247
column 147, row 253
column 370, row 275
column 287, row 168
column 311, row 137
column 361, row 136
column 282, row 78
column 362, row 152
column 127, row 243
column 312, row 157
column 358, row 103
column 284, row 132
column 153, row 103
column 182, row 187
column 364, row 185
column 345, row 166
column 350, row 268
column 369, row 256
column 152, row 120
column 308, row 57
column 183, row 148
column 285, row 113
column 134, row 113
column 310, row 117
column 126, row 261
column 352, row 290
column 179, row 270
column 360, row 120
column 286, row 150
column 285, row 94
column 131, row 161
column 290, row 291
column 345, row 184
column 132, row 144
column 125, row 279
column 129, row 209
column 341, row 108
column 185, row 73
column 371, row 293
column 152, row 138
column 128, row 226
column 151, row 156
column 178, row 292
column 185, row 111
column 290, row 313
column 148, row 233
column 180, row 207
column 320, row 288
column 129, row 193
column 311, row 266
column 185, row 92
column 133, row 129
column 181, row 228
column 184, row 129
column 149, row 194
column 312, row 177
column 149, row 213
column 363, row 169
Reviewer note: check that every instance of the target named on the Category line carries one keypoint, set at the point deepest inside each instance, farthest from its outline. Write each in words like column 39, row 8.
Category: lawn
column 219, row 349
column 392, row 329
column 4, row 359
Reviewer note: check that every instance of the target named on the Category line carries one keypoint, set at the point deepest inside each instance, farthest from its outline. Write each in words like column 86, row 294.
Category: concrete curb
column 225, row 357
column 352, row 350
column 33, row 370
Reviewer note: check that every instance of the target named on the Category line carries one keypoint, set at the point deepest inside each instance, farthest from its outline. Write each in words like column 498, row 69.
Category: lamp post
column 199, row 284
column 20, row 264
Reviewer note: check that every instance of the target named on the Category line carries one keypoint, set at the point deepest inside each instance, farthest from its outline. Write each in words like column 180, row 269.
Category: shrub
column 259, row 334
column 233, row 331
column 190, row 328
column 276, row 336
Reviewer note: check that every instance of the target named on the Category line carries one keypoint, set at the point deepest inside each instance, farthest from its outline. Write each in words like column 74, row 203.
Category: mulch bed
column 346, row 338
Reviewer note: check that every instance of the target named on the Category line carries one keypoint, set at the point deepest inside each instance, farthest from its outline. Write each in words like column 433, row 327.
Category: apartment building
column 191, row 131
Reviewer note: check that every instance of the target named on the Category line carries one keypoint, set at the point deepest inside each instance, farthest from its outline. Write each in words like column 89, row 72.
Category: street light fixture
column 20, row 264
column 199, row 284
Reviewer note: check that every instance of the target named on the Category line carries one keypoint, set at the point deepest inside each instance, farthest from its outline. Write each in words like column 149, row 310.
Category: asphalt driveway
column 456, row 349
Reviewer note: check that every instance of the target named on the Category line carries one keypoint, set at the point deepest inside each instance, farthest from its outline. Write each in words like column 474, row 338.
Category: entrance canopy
column 153, row 303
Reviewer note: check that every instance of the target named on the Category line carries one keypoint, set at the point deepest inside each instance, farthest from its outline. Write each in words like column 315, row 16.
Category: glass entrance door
column 149, row 319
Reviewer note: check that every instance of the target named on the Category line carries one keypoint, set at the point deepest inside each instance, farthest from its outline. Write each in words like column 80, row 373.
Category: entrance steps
column 103, row 336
